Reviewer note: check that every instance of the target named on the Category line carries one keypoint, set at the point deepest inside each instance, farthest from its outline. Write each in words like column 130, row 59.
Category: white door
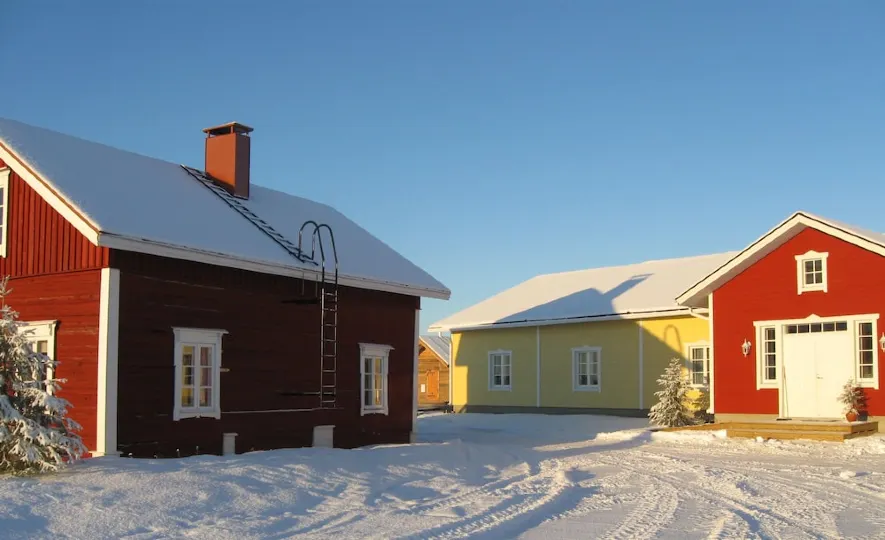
column 816, row 365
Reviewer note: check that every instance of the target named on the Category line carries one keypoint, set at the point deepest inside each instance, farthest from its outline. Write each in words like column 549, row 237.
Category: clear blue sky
column 489, row 141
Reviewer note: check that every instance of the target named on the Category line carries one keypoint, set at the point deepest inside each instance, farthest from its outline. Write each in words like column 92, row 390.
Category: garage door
column 818, row 360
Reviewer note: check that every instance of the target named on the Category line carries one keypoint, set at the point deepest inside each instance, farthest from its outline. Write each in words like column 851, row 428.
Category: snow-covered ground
column 482, row 476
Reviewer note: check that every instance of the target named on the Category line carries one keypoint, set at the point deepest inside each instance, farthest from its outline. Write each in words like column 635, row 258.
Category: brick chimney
column 227, row 156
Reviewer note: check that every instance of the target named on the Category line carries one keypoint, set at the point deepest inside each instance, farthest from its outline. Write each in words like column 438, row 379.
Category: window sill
column 813, row 289
column 871, row 384
column 500, row 389
column 364, row 412
column 204, row 413
column 587, row 389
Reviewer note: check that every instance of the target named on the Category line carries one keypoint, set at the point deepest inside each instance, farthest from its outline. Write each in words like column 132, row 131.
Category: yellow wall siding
column 470, row 367
column 664, row 339
column 619, row 358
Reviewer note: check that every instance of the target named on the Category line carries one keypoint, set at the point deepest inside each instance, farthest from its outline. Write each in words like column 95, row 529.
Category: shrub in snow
column 35, row 433
column 671, row 410
column 701, row 404
column 853, row 397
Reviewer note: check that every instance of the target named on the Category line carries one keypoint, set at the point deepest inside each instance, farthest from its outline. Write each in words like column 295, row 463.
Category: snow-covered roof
column 696, row 295
column 440, row 345
column 125, row 200
column 645, row 289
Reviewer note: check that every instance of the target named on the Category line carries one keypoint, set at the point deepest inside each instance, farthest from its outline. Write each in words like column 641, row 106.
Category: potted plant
column 853, row 398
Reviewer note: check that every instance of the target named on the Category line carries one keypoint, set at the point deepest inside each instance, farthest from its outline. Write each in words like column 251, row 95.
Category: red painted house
column 793, row 317
column 193, row 311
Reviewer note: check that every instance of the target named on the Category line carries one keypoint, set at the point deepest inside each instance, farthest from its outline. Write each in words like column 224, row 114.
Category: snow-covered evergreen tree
column 671, row 410
column 35, row 433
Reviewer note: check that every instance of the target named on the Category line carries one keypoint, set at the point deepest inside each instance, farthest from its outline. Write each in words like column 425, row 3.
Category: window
column 767, row 355
column 699, row 364
column 500, row 366
column 813, row 328
column 41, row 336
column 197, row 368
column 4, row 209
column 866, row 352
column 586, row 369
column 373, row 378
column 811, row 271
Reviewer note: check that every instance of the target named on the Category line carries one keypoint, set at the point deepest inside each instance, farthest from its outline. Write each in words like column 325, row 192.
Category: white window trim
column 761, row 381
column 688, row 348
column 589, row 387
column 4, row 183
column 874, row 381
column 198, row 336
column 373, row 350
column 800, row 272
column 502, row 387
column 34, row 331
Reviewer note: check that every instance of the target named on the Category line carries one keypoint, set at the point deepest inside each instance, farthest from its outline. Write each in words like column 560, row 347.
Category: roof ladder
column 327, row 292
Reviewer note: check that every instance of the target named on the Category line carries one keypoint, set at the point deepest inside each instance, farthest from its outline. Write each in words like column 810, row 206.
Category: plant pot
column 851, row 416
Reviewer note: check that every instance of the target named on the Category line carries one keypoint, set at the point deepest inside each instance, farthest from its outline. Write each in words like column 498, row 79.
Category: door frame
column 779, row 324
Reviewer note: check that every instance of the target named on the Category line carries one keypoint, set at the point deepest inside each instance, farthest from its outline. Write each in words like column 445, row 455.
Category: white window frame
column 198, row 337
column 576, row 386
column 4, row 213
column 761, row 381
column 689, row 347
column 802, row 287
column 501, row 387
column 869, row 382
column 34, row 331
column 374, row 351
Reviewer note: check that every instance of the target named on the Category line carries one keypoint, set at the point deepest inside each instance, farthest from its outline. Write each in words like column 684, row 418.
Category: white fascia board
column 650, row 314
column 175, row 252
column 767, row 243
column 49, row 193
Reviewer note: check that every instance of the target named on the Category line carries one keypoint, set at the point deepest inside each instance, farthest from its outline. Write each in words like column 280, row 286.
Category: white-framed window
column 500, row 370
column 41, row 336
column 811, row 272
column 767, row 356
column 586, row 369
column 866, row 354
column 4, row 209
column 373, row 378
column 197, row 369
column 698, row 364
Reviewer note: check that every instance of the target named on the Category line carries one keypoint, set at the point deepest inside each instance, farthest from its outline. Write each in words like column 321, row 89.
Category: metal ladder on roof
column 327, row 293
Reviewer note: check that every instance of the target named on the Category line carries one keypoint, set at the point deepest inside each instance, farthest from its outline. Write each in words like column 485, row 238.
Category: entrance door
column 816, row 365
column 432, row 384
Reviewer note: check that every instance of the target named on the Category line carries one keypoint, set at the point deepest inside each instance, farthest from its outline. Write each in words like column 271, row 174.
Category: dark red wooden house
column 194, row 311
column 794, row 317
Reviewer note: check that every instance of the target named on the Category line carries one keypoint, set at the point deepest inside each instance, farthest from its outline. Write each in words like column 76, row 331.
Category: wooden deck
column 813, row 430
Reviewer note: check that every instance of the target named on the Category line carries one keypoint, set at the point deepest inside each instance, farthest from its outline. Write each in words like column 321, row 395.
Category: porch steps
column 792, row 430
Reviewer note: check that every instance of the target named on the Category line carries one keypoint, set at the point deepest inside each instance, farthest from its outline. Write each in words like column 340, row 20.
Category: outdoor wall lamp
column 882, row 341
column 745, row 346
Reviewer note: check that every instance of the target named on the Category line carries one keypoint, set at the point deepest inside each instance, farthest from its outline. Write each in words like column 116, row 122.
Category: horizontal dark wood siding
column 272, row 349
column 39, row 240
column 73, row 299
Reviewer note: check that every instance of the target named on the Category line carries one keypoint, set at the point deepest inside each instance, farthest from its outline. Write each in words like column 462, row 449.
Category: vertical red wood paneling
column 73, row 299
column 40, row 241
column 767, row 291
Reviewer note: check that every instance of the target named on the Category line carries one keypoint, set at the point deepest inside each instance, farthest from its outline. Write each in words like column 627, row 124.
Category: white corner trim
column 641, row 364
column 712, row 391
column 53, row 196
column 198, row 337
column 108, row 364
column 4, row 214
column 800, row 272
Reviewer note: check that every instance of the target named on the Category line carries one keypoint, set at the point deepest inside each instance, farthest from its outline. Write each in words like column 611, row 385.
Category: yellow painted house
column 592, row 341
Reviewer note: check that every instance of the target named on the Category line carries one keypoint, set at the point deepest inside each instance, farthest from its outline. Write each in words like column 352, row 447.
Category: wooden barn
column 192, row 311
column 433, row 371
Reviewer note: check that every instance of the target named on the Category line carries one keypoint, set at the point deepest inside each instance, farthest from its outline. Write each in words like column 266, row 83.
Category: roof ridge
column 627, row 265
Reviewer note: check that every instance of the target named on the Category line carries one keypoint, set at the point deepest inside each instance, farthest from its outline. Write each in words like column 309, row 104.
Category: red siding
column 272, row 348
column 40, row 241
column 72, row 299
column 767, row 291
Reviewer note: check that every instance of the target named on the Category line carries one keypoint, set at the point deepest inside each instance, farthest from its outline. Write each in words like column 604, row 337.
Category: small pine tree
column 35, row 433
column 671, row 409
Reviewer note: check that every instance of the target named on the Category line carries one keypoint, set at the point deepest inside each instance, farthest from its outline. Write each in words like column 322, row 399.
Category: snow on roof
column 440, row 345
column 644, row 288
column 147, row 200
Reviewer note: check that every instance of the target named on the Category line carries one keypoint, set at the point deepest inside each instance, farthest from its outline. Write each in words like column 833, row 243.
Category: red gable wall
column 768, row 291
column 55, row 274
